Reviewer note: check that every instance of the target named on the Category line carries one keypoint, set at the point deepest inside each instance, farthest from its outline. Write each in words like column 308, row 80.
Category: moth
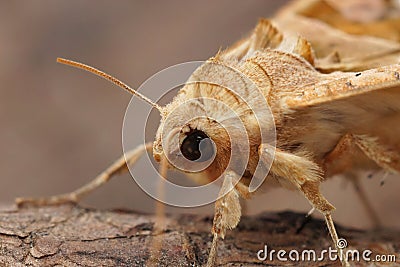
column 326, row 121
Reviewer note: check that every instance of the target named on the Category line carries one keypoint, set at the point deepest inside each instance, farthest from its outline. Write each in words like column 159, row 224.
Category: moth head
column 188, row 136
column 190, row 142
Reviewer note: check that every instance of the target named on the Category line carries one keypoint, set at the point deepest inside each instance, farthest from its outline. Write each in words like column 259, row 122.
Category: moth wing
column 340, row 41
column 345, row 86
column 367, row 103
column 265, row 35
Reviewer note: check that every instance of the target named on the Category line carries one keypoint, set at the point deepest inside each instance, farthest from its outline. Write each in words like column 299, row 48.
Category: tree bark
column 70, row 235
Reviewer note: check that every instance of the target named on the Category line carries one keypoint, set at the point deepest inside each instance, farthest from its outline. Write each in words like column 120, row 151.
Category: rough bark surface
column 74, row 236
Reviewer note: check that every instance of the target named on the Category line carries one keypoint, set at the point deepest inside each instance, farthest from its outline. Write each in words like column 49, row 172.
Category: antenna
column 109, row 78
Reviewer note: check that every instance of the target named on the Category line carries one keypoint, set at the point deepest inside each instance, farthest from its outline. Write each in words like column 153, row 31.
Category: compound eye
column 197, row 146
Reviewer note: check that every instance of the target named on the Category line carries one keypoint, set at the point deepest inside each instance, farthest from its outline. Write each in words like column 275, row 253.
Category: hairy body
column 325, row 123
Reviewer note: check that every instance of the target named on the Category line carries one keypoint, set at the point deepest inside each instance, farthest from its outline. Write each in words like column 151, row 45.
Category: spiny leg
column 312, row 193
column 159, row 224
column 306, row 176
column 383, row 157
column 380, row 154
column 387, row 159
column 160, row 207
column 212, row 257
column 227, row 213
column 338, row 160
column 119, row 166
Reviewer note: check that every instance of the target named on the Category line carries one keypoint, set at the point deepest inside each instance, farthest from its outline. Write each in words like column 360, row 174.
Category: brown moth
column 345, row 35
column 325, row 119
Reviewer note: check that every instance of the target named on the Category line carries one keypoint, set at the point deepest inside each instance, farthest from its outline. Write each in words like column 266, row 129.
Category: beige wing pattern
column 366, row 103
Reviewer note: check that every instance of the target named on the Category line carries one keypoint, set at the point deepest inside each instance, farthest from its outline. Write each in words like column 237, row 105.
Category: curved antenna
column 109, row 78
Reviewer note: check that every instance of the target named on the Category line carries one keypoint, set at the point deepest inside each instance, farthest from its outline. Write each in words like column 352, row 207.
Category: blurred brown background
column 60, row 127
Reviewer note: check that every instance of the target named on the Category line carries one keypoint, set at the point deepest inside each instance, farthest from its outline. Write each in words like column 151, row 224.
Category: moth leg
column 379, row 153
column 227, row 213
column 305, row 175
column 119, row 166
column 339, row 159
column 382, row 156
column 160, row 220
column 160, row 207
